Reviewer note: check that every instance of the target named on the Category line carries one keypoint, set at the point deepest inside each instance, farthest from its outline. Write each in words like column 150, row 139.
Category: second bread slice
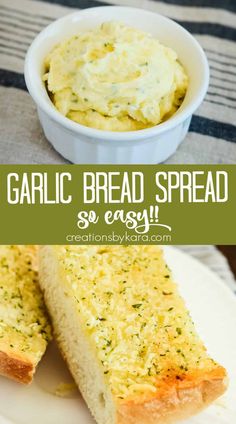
column 24, row 325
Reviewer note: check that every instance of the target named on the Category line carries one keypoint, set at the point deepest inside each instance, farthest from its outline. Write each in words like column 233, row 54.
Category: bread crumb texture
column 24, row 326
column 64, row 390
column 138, row 323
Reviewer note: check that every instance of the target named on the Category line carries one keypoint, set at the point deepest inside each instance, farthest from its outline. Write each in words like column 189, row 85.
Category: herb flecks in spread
column 115, row 78
column 132, row 311
column 23, row 322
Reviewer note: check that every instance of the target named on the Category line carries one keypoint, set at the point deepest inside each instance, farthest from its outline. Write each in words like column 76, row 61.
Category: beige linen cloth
column 212, row 136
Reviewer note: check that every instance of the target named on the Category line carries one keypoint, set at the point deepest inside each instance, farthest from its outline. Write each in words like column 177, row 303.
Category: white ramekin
column 81, row 144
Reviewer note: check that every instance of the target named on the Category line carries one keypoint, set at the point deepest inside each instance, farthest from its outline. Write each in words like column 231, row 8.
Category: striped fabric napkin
column 212, row 136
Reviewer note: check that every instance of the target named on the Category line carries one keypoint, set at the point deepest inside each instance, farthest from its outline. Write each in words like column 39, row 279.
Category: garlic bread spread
column 115, row 78
column 24, row 326
column 131, row 311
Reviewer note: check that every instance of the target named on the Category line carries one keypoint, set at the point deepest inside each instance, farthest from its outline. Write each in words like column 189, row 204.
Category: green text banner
column 162, row 204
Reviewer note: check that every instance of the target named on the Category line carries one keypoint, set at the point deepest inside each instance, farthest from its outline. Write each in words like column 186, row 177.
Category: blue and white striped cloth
column 212, row 136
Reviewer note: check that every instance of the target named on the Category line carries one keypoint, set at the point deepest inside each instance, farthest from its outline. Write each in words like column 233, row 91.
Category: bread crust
column 175, row 401
column 16, row 367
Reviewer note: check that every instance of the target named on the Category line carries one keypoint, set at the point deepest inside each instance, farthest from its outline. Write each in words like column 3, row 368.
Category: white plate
column 213, row 308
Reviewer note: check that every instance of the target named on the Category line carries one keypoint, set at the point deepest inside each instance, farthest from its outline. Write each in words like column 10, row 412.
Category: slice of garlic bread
column 24, row 326
column 126, row 334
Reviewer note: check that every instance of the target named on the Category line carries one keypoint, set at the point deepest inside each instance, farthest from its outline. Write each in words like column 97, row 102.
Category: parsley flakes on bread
column 126, row 334
column 24, row 326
